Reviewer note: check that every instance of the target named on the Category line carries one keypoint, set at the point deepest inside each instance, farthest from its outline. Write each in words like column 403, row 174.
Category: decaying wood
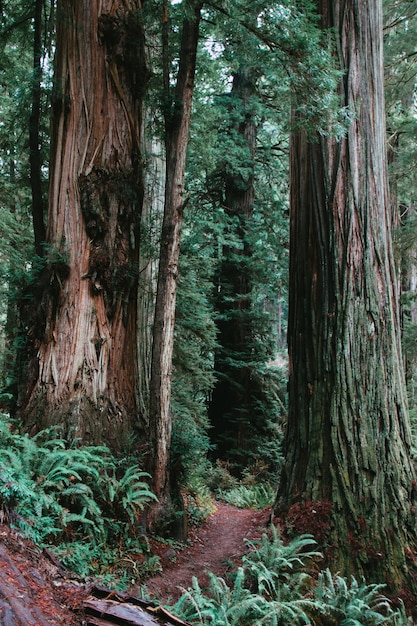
column 104, row 607
column 35, row 591
column 25, row 598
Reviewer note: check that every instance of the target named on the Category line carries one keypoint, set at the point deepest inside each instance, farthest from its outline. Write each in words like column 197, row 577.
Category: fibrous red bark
column 82, row 371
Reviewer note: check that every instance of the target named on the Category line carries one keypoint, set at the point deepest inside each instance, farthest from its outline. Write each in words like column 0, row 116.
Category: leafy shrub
column 198, row 500
column 219, row 478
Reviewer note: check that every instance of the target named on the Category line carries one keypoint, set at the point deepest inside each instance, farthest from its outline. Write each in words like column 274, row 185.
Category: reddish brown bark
column 84, row 368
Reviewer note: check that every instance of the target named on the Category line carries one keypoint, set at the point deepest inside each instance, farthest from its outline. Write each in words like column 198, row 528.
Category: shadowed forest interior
column 208, row 293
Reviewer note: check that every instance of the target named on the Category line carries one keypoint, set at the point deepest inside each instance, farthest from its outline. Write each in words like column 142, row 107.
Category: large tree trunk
column 231, row 408
column 83, row 369
column 348, row 475
column 177, row 123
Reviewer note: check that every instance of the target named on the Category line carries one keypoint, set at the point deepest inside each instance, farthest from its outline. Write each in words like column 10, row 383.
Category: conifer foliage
column 127, row 322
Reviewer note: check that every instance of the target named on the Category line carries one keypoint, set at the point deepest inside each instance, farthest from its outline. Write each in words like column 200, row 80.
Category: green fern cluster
column 256, row 496
column 274, row 588
column 56, row 493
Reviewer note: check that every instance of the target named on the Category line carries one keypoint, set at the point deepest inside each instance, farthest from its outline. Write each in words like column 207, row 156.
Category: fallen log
column 104, row 607
column 25, row 599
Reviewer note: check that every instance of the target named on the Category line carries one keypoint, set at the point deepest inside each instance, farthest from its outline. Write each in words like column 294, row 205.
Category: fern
column 353, row 604
column 237, row 606
column 273, row 588
column 131, row 493
column 276, row 567
column 50, row 486
column 256, row 496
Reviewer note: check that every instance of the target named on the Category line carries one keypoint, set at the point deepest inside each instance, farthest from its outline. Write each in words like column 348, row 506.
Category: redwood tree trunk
column 83, row 365
column 177, row 123
column 231, row 408
column 348, row 475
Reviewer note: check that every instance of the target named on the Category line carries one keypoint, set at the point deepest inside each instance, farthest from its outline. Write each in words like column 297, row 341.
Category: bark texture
column 177, row 124
column 83, row 374
column 348, row 475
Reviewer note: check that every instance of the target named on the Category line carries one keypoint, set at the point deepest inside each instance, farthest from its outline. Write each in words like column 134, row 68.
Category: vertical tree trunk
column 348, row 475
column 152, row 213
column 231, row 409
column 177, row 123
column 35, row 157
column 82, row 372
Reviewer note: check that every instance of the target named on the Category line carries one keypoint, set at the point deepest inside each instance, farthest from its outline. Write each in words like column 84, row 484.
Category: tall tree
column 231, row 406
column 35, row 155
column 16, row 85
column 177, row 113
column 82, row 363
column 262, row 43
column 348, row 471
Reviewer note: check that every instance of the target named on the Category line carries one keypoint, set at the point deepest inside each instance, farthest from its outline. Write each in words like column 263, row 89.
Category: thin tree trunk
column 35, row 157
column 177, row 123
column 153, row 210
column 82, row 372
column 348, row 475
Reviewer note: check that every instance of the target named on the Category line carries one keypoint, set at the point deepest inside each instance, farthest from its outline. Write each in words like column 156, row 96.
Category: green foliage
column 118, row 566
column 70, row 496
column 400, row 78
column 256, row 489
column 257, row 496
column 130, row 493
column 274, row 587
column 195, row 341
column 222, row 605
column 16, row 84
column 353, row 604
column 198, row 499
column 274, row 564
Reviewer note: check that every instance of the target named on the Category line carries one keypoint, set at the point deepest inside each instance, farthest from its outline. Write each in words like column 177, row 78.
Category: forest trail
column 216, row 546
column 35, row 591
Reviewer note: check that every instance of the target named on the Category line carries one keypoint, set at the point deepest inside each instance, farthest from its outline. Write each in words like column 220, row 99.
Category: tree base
column 80, row 419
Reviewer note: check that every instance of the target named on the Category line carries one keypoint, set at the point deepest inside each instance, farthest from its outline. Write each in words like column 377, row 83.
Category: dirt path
column 34, row 590
column 217, row 547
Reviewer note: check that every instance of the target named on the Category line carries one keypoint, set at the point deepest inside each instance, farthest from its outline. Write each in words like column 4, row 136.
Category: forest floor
column 35, row 590
column 216, row 546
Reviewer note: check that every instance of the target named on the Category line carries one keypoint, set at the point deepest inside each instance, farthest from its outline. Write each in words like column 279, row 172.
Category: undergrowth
column 253, row 491
column 81, row 501
column 275, row 586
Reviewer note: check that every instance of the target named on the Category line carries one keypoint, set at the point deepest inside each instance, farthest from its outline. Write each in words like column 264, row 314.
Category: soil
column 35, row 589
column 217, row 546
